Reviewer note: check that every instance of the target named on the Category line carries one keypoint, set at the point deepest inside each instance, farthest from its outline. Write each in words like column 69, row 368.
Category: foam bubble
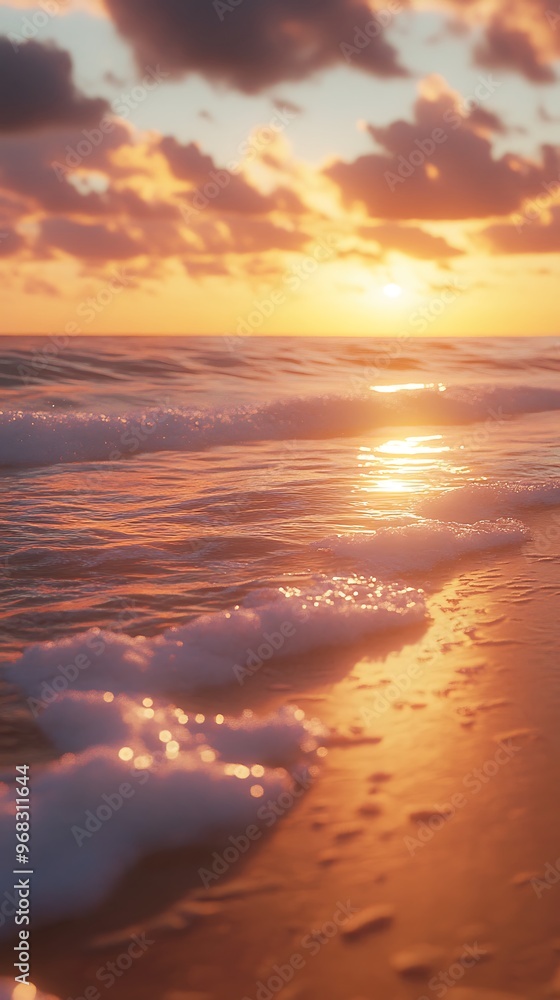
column 471, row 503
column 227, row 647
column 43, row 438
column 96, row 813
column 422, row 544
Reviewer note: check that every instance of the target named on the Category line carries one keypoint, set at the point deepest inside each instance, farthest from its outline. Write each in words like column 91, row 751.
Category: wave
column 422, row 545
column 137, row 775
column 223, row 648
column 155, row 784
column 31, row 438
column 190, row 779
column 468, row 504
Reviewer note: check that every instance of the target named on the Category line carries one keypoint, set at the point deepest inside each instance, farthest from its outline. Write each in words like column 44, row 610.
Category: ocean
column 187, row 521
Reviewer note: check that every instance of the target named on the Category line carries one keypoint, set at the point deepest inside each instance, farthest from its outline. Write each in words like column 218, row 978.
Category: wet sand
column 437, row 802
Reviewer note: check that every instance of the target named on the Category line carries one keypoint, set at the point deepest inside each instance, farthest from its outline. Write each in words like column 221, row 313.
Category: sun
column 392, row 291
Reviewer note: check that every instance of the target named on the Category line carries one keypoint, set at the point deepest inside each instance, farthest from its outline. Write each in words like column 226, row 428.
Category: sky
column 235, row 167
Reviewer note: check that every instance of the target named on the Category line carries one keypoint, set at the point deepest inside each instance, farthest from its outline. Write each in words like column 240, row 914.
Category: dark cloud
column 410, row 240
column 10, row 241
column 37, row 90
column 254, row 44
column 219, row 189
column 90, row 242
column 35, row 167
column 438, row 167
column 513, row 48
column 260, row 235
column 526, row 235
column 487, row 120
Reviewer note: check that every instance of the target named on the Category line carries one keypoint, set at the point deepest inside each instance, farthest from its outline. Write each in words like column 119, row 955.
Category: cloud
column 254, row 44
column 90, row 242
column 439, row 166
column 34, row 168
column 10, row 241
column 506, row 47
column 261, row 235
column 37, row 90
column 526, row 236
column 409, row 240
column 219, row 189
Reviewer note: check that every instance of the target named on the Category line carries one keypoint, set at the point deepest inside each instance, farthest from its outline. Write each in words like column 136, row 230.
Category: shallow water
column 192, row 498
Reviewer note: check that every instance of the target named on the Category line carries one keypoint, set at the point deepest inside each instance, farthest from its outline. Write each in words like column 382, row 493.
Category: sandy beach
column 436, row 806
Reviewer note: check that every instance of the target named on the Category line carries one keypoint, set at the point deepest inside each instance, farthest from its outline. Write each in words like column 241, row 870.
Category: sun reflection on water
column 413, row 464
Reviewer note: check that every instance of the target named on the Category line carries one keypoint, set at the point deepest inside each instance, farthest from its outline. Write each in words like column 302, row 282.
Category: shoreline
column 383, row 824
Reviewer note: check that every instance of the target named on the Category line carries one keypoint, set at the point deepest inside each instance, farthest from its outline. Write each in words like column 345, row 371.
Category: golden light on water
column 412, row 464
column 409, row 387
column 143, row 761
column 413, row 446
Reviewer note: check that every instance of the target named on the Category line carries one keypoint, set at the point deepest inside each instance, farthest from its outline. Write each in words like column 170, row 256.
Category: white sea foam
column 222, row 648
column 468, row 504
column 422, row 544
column 156, row 783
column 44, row 438
column 78, row 720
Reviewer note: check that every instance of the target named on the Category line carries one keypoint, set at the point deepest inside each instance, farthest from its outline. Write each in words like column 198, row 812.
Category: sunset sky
column 280, row 166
